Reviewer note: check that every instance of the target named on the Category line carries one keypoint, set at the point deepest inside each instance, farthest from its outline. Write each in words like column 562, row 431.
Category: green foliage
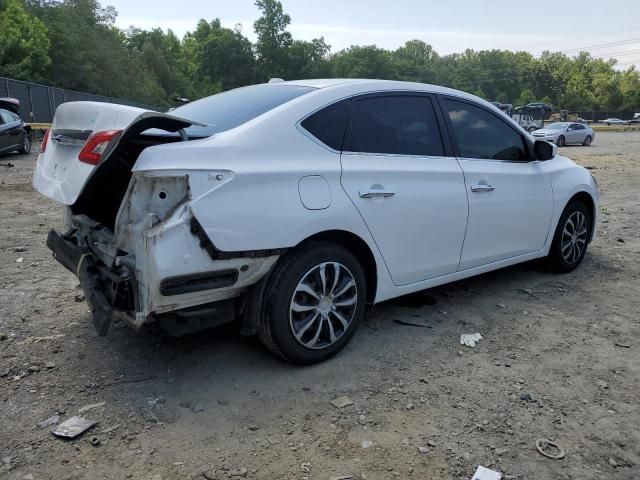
column 74, row 44
column 24, row 44
column 363, row 62
column 274, row 41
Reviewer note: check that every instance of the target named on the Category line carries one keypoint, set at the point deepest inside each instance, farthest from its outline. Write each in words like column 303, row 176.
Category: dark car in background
column 15, row 136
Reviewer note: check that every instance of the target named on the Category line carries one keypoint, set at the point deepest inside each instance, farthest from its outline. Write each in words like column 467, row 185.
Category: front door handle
column 483, row 187
column 376, row 193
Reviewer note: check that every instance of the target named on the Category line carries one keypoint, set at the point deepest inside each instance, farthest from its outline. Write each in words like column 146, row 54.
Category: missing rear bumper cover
column 105, row 290
column 198, row 282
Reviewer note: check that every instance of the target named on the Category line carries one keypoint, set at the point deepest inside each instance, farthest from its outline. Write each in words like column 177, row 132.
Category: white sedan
column 614, row 121
column 290, row 206
column 565, row 133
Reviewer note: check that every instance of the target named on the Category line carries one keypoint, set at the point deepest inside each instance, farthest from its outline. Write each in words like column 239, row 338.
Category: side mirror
column 544, row 150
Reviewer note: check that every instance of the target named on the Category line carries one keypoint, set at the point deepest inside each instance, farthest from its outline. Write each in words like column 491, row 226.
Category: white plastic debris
column 73, row 427
column 470, row 339
column 484, row 473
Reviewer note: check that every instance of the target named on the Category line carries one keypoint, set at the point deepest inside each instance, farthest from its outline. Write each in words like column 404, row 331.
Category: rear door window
column 328, row 125
column 482, row 135
column 395, row 124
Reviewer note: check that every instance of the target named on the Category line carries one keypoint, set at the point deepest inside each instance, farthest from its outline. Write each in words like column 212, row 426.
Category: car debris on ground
column 542, row 445
column 470, row 339
column 73, row 427
column 484, row 473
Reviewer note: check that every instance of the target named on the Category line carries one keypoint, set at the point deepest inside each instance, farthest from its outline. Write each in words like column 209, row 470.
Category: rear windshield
column 230, row 109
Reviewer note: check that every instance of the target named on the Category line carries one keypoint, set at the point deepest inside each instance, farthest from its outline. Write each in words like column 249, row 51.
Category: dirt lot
column 559, row 359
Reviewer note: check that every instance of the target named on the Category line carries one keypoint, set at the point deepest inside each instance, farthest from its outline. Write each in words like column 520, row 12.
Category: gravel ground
column 558, row 360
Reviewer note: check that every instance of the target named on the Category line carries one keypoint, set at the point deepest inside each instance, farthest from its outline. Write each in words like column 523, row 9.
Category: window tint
column 481, row 134
column 16, row 117
column 6, row 117
column 232, row 108
column 328, row 124
column 402, row 125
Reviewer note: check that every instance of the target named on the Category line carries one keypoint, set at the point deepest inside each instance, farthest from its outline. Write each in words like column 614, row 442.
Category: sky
column 606, row 28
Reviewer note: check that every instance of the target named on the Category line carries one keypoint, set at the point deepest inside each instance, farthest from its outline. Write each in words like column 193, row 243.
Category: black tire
column 277, row 320
column 26, row 145
column 561, row 141
column 532, row 129
column 587, row 141
column 557, row 261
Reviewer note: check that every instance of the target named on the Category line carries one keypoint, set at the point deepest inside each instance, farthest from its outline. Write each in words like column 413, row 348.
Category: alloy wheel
column 323, row 305
column 574, row 237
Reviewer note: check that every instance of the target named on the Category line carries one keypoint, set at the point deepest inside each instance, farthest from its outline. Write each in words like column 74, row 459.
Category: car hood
column 546, row 132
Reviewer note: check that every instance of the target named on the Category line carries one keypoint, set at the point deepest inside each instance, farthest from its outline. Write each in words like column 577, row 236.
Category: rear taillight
column 45, row 140
column 96, row 145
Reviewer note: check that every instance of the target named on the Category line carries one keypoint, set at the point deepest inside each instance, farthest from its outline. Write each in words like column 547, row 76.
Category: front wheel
column 561, row 141
column 587, row 141
column 570, row 239
column 313, row 303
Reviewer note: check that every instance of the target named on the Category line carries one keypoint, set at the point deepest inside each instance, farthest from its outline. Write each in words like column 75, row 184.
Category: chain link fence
column 38, row 103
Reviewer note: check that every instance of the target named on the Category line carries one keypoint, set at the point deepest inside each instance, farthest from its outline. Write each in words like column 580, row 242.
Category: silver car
column 564, row 133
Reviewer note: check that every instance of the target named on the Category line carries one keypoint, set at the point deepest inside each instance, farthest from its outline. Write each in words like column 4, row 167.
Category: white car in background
column 614, row 121
column 290, row 206
column 565, row 133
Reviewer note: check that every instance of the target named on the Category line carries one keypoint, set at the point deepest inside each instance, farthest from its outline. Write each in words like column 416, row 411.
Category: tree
column 75, row 44
column 308, row 59
column 416, row 61
column 526, row 97
column 274, row 40
column 227, row 58
column 363, row 62
column 24, row 45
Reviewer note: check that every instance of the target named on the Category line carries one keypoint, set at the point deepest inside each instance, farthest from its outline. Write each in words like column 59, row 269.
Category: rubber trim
column 198, row 282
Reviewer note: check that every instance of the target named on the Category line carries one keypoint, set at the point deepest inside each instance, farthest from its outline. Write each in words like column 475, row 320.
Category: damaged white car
column 289, row 206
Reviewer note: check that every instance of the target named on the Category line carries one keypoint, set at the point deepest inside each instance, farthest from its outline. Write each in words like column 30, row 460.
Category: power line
column 604, row 45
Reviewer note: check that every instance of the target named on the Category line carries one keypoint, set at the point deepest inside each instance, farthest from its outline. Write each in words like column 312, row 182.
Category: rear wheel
column 313, row 304
column 560, row 142
column 570, row 239
column 25, row 148
column 587, row 141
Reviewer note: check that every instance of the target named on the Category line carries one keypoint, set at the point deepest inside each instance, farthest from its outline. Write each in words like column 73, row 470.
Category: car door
column 10, row 131
column 402, row 177
column 573, row 134
column 580, row 132
column 4, row 133
column 510, row 196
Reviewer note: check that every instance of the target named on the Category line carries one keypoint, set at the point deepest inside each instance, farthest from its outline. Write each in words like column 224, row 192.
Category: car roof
column 380, row 85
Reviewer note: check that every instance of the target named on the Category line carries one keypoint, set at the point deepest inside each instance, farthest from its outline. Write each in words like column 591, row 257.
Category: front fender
column 567, row 181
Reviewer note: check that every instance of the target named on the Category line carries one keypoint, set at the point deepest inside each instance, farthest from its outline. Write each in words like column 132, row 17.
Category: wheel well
column 359, row 249
column 587, row 201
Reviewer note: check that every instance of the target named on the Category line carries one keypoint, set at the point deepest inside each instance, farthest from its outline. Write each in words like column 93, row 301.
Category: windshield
column 556, row 126
column 232, row 108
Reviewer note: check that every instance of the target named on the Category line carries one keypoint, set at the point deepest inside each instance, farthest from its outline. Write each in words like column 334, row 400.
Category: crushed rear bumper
column 105, row 290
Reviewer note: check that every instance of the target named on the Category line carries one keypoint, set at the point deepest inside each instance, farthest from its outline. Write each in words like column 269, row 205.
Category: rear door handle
column 483, row 187
column 376, row 193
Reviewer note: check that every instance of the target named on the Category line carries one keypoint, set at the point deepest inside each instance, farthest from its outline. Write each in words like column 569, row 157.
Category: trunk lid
column 11, row 104
column 59, row 173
